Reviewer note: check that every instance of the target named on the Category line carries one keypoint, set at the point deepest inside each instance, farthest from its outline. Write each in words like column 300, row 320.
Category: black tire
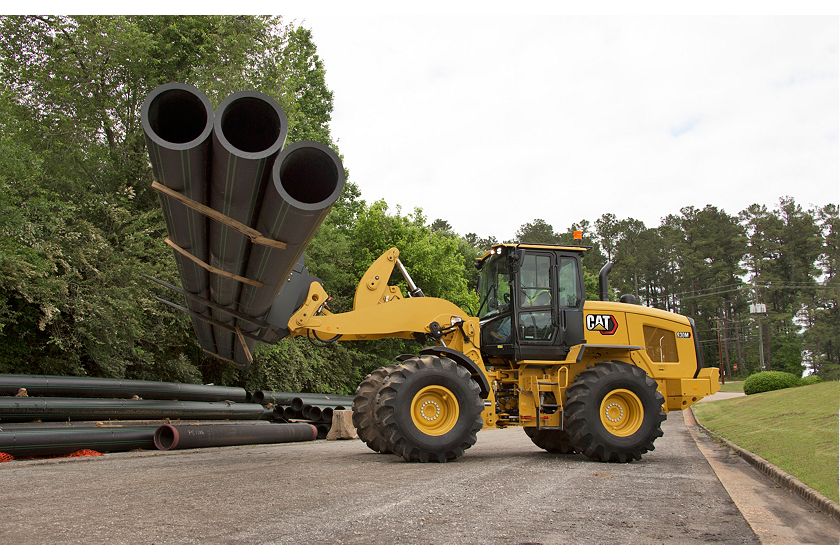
column 364, row 404
column 587, row 432
column 553, row 441
column 394, row 409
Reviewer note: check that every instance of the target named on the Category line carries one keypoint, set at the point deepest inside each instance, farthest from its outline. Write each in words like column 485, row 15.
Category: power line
column 749, row 287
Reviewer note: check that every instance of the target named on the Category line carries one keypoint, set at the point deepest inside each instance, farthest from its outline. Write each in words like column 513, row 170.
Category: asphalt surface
column 503, row 491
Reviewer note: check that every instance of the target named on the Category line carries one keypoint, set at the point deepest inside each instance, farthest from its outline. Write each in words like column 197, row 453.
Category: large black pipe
column 13, row 409
column 60, row 441
column 170, row 437
column 177, row 121
column 276, row 397
column 306, row 180
column 95, row 387
column 249, row 131
column 37, row 425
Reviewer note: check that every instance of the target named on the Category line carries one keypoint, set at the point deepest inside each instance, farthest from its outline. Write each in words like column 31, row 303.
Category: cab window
column 568, row 287
column 494, row 288
column 535, row 281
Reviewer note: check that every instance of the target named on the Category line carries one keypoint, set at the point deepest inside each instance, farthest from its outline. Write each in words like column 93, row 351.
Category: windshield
column 494, row 287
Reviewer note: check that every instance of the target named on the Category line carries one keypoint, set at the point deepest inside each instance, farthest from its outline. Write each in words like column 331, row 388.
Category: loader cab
column 530, row 301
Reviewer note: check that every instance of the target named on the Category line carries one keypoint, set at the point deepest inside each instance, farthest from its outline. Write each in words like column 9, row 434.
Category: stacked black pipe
column 245, row 174
column 314, row 408
column 51, row 415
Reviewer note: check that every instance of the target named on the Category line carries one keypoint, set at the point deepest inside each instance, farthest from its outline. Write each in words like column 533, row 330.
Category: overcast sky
column 489, row 122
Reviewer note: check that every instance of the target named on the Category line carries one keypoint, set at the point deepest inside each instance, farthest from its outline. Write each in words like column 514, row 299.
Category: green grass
column 733, row 386
column 795, row 429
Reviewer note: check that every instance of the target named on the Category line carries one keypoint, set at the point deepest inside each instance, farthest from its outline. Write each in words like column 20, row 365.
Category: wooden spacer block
column 342, row 425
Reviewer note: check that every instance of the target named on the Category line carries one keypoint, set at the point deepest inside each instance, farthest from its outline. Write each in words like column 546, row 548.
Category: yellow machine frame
column 381, row 310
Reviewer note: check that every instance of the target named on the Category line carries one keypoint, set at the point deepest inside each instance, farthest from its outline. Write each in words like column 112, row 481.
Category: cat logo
column 604, row 324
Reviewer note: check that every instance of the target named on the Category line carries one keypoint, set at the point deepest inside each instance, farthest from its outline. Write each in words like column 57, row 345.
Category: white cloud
column 489, row 122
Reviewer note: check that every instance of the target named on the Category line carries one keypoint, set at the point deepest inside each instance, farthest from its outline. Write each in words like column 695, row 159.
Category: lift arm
column 381, row 311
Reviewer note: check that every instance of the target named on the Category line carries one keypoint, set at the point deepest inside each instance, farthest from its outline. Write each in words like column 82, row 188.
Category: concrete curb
column 776, row 474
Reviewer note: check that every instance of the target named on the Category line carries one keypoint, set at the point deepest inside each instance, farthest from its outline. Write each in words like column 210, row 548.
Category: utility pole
column 726, row 338
column 760, row 309
column 720, row 352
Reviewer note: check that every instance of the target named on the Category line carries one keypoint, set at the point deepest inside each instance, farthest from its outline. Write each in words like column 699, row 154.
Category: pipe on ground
column 249, row 130
column 60, row 441
column 177, row 121
column 312, row 413
column 170, row 437
column 96, row 387
column 285, row 398
column 276, row 397
column 13, row 409
column 37, row 425
column 299, row 402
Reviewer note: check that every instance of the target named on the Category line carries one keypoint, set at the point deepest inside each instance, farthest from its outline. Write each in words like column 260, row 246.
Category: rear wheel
column 613, row 412
column 429, row 409
column 553, row 441
column 364, row 404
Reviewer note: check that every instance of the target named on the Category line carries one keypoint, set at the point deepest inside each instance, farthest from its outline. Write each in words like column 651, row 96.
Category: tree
column 82, row 228
column 537, row 231
column 607, row 231
column 821, row 313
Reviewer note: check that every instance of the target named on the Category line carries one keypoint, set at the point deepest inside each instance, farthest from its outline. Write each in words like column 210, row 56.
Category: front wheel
column 613, row 412
column 364, row 404
column 429, row 409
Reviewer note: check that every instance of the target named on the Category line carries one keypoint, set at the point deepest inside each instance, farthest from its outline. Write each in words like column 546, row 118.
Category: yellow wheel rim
column 434, row 410
column 622, row 412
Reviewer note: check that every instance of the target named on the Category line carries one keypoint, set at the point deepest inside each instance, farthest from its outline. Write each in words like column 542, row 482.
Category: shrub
column 770, row 381
column 810, row 380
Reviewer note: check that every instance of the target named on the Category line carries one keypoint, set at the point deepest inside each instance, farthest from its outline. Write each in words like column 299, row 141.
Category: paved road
column 504, row 491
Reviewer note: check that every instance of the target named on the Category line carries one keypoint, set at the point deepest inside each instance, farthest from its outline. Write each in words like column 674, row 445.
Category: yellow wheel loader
column 589, row 377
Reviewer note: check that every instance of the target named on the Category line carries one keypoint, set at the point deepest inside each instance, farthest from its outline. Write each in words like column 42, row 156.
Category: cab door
column 570, row 298
column 536, row 308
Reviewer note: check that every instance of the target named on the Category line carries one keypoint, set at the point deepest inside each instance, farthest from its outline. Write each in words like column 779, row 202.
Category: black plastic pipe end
column 308, row 175
column 250, row 125
column 177, row 116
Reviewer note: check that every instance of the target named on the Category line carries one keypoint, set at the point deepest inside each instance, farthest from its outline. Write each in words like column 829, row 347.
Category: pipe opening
column 165, row 437
column 251, row 124
column 309, row 175
column 178, row 116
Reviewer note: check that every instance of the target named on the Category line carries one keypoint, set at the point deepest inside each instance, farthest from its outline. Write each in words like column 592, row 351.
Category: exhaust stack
column 603, row 281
